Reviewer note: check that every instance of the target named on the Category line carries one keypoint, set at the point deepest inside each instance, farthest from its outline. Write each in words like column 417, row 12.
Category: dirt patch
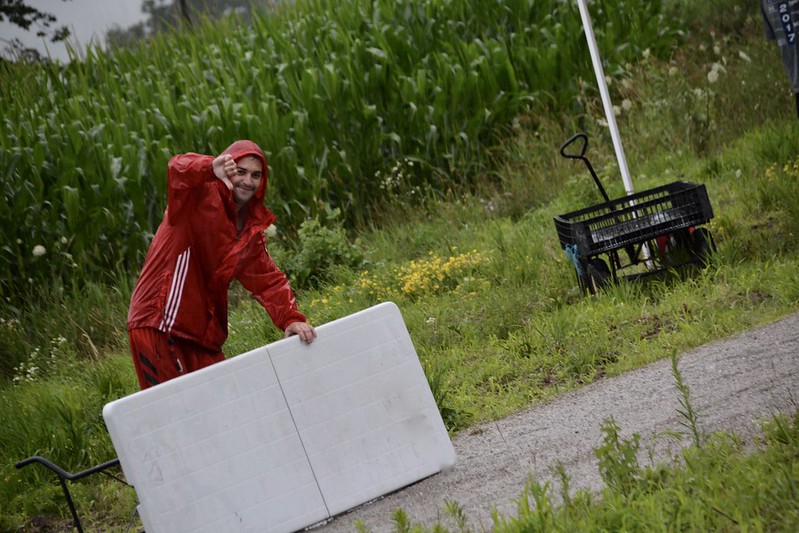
column 734, row 384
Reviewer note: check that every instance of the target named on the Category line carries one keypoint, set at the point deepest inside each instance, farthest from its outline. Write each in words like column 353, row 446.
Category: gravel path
column 733, row 384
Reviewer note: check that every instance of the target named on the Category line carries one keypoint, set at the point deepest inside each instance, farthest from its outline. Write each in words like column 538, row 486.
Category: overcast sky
column 86, row 19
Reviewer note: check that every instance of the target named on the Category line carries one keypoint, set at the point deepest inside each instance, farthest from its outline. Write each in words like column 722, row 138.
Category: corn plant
column 335, row 93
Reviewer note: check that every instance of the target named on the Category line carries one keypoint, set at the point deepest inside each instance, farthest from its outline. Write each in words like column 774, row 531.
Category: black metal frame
column 634, row 219
column 64, row 476
column 632, row 223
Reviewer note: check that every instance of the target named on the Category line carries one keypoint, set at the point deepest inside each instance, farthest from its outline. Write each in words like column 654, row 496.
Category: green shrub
column 320, row 248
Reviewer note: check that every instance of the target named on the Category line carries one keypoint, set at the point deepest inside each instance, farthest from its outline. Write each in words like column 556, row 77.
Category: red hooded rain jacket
column 197, row 251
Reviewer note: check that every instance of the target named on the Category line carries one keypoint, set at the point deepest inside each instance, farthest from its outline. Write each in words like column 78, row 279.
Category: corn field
column 336, row 93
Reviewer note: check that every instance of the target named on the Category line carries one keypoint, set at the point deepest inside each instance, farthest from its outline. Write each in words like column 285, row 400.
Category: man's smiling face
column 249, row 173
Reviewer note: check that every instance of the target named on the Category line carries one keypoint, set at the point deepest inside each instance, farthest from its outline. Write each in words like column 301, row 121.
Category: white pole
column 603, row 90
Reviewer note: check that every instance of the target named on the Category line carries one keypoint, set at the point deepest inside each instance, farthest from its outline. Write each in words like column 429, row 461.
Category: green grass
column 718, row 484
column 490, row 300
column 722, row 486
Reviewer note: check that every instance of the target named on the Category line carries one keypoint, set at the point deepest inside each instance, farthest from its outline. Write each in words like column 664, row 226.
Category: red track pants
column 157, row 357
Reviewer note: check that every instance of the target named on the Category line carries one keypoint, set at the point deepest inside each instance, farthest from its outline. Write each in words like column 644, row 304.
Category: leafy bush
column 319, row 250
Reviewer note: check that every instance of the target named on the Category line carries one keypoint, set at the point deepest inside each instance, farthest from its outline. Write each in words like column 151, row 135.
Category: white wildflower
column 608, row 81
column 713, row 75
column 626, row 104
column 39, row 250
column 616, row 110
column 716, row 49
column 673, row 71
column 745, row 57
column 271, row 231
column 647, row 53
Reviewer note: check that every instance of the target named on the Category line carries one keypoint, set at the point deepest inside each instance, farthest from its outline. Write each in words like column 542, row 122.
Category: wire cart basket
column 656, row 228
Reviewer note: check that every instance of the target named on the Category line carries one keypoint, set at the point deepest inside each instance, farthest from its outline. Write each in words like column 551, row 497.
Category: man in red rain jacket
column 212, row 232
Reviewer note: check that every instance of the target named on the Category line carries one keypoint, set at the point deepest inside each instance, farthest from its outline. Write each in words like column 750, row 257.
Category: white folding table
column 285, row 436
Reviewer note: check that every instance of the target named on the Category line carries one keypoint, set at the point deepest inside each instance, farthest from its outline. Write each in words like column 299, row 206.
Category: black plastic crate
column 634, row 219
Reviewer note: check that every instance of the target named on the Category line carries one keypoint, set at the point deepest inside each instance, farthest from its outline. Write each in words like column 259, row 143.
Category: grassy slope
column 508, row 327
column 516, row 329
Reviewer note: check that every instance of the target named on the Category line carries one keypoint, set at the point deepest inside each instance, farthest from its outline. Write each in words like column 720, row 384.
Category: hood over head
column 244, row 148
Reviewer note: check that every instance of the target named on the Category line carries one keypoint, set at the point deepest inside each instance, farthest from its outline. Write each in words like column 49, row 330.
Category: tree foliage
column 19, row 13
column 163, row 15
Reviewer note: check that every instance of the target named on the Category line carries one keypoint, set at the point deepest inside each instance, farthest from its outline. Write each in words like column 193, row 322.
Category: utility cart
column 655, row 229
column 647, row 232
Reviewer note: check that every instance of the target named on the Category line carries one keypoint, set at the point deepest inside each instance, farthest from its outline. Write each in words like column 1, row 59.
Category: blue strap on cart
column 571, row 253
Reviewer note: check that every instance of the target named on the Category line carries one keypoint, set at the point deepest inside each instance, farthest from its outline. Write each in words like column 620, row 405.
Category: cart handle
column 574, row 138
column 64, row 475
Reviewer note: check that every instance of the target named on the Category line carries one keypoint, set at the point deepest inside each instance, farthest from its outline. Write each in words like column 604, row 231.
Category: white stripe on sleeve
column 175, row 291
